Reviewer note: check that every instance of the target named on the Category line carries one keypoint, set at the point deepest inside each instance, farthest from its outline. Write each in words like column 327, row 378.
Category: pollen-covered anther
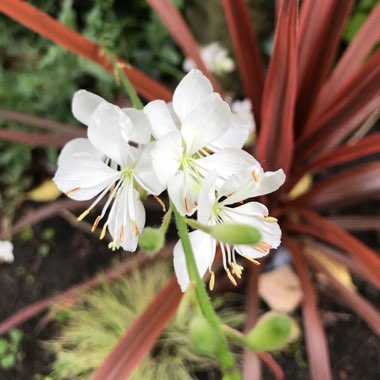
column 103, row 233
column 135, row 229
column 211, row 284
column 253, row 261
column 232, row 279
column 265, row 245
column 161, row 202
column 72, row 190
column 83, row 215
column 255, row 176
column 261, row 249
column 121, row 233
column 186, row 205
column 237, row 270
column 97, row 220
column 270, row 219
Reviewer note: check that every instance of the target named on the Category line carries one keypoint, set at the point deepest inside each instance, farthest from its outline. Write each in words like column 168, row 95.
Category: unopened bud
column 203, row 336
column 235, row 233
column 151, row 240
column 270, row 333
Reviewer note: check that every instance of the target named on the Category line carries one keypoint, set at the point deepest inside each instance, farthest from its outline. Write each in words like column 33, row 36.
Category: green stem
column 166, row 221
column 224, row 356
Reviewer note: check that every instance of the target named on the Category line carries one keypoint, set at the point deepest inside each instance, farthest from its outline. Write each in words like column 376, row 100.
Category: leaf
column 316, row 341
column 60, row 34
column 275, row 141
column 320, row 31
column 32, row 138
column 247, row 52
column 46, row 192
column 281, row 289
column 272, row 364
column 141, row 336
column 181, row 33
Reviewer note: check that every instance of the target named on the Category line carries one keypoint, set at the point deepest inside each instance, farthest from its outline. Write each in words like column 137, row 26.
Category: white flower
column 115, row 157
column 215, row 57
column 182, row 155
column 243, row 110
column 6, row 252
column 215, row 207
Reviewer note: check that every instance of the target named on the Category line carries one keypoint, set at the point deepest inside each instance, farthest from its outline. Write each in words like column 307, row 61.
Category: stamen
column 161, row 202
column 230, row 277
column 97, row 220
column 186, row 205
column 135, row 229
column 72, row 190
column 121, row 233
column 255, row 176
column 103, row 233
column 212, row 281
column 270, row 219
column 265, row 245
column 261, row 249
column 83, row 215
column 252, row 260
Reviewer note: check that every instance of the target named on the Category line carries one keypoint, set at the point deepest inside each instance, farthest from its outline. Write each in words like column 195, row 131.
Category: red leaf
column 354, row 56
column 360, row 305
column 246, row 51
column 347, row 188
column 141, row 336
column 275, row 142
column 352, row 104
column 316, row 341
column 43, row 123
column 181, row 33
column 33, row 138
column 321, row 26
column 357, row 222
column 272, row 364
column 322, row 229
column 60, row 34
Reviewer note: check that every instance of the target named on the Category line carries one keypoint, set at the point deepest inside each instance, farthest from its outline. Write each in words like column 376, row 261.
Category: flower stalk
column 226, row 360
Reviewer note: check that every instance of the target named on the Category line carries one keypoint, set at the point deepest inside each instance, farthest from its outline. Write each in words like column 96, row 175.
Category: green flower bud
column 203, row 336
column 235, row 233
column 152, row 240
column 271, row 333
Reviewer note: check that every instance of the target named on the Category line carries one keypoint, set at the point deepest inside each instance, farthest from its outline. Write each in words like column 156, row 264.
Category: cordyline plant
column 310, row 110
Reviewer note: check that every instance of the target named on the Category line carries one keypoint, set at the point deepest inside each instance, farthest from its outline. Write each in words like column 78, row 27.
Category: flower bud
column 152, row 240
column 203, row 336
column 271, row 333
column 235, row 233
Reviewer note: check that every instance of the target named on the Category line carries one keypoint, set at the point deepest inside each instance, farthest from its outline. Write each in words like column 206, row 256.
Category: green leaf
column 8, row 361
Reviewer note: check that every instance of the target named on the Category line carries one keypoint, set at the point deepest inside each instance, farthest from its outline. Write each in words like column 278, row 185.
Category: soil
column 77, row 255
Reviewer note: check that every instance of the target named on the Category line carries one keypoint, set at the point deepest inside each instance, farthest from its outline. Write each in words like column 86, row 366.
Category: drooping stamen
column 252, row 260
column 135, row 229
column 232, row 279
column 103, row 233
column 212, row 280
column 161, row 202
column 265, row 245
column 186, row 205
column 97, row 220
column 261, row 249
column 83, row 215
column 72, row 191
column 121, row 233
column 255, row 176
column 270, row 219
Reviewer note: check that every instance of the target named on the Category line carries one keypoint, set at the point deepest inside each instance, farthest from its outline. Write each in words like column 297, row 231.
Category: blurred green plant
column 9, row 349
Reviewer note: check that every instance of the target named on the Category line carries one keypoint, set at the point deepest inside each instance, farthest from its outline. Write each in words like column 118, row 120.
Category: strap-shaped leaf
column 37, row 139
column 275, row 142
column 62, row 35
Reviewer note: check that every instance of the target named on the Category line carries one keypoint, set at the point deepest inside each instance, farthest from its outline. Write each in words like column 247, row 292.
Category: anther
column 161, row 202
column 265, row 245
column 97, row 220
column 252, row 260
column 261, row 249
column 83, row 215
column 186, row 205
column 231, row 277
column 121, row 233
column 103, row 233
column 255, row 176
column 135, row 229
column 270, row 219
column 212, row 281
column 72, row 190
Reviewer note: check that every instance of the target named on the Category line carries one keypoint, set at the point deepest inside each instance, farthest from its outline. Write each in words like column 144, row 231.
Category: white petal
column 235, row 136
column 226, row 162
column 207, row 198
column 204, row 252
column 160, row 118
column 184, row 192
column 145, row 174
column 167, row 156
column 80, row 167
column 192, row 91
column 206, row 123
column 109, row 131
column 84, row 104
column 142, row 131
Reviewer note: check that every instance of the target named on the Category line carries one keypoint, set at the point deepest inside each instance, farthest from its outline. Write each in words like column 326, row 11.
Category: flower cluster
column 192, row 148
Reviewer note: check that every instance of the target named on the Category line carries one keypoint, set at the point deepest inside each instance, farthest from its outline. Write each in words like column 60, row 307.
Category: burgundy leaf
column 275, row 141
column 33, row 138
